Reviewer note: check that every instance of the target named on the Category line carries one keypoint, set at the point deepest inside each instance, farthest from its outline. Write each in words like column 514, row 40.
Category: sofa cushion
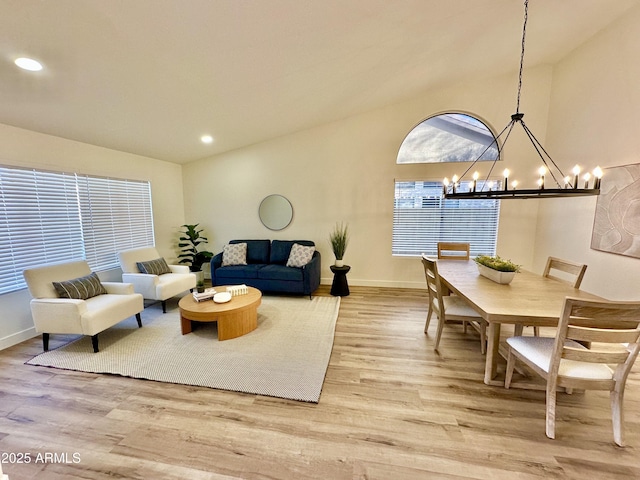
column 280, row 250
column 80, row 288
column 300, row 255
column 154, row 267
column 257, row 250
column 236, row 272
column 234, row 254
column 280, row 272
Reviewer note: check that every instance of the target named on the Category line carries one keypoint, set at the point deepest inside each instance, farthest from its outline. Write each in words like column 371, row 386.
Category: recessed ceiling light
column 206, row 139
column 28, row 64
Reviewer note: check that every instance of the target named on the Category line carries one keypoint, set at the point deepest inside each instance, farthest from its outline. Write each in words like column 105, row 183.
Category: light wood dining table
column 530, row 299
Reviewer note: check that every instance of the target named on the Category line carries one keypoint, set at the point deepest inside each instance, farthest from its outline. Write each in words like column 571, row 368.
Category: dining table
column 529, row 300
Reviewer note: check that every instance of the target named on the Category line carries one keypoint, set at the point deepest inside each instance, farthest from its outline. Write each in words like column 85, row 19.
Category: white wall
column 345, row 171
column 24, row 148
column 593, row 121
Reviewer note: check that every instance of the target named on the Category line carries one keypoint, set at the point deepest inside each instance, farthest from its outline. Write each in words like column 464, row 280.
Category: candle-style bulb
column 576, row 172
column 542, row 170
column 586, row 177
column 505, row 174
column 597, row 172
column 514, row 184
column 567, row 181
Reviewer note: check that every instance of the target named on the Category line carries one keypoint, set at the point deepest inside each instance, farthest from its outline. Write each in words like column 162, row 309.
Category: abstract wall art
column 616, row 227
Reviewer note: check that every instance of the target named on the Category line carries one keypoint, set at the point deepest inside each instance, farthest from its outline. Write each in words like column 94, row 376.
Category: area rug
column 286, row 356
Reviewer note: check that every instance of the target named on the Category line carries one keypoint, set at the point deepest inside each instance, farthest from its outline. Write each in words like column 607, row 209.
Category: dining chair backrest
column 453, row 250
column 572, row 272
column 600, row 323
column 434, row 287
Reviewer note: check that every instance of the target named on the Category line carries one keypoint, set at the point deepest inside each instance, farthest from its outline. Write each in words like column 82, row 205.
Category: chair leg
column 551, row 409
column 164, row 306
column 617, row 415
column 483, row 337
column 139, row 319
column 426, row 325
column 517, row 330
column 511, row 364
column 439, row 332
column 94, row 342
column 536, row 331
column 45, row 342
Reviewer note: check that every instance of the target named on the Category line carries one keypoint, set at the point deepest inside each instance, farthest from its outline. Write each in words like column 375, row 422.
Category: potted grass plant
column 339, row 240
column 496, row 268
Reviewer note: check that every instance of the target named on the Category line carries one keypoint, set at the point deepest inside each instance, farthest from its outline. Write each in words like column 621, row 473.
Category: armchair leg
column 94, row 342
column 45, row 342
column 164, row 306
column 139, row 319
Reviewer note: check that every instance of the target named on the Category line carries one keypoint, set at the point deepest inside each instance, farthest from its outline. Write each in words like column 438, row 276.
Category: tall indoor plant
column 190, row 239
column 339, row 240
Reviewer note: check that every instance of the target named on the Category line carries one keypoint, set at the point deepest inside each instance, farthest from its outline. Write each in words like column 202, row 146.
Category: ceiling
column 151, row 76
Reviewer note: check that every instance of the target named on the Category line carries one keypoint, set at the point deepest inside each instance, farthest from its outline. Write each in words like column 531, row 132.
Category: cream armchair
column 52, row 314
column 154, row 287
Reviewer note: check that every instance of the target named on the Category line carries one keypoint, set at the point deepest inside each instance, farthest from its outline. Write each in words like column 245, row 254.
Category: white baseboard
column 16, row 338
column 378, row 283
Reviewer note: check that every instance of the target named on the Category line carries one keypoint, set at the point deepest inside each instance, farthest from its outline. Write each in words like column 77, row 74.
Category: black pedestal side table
column 340, row 287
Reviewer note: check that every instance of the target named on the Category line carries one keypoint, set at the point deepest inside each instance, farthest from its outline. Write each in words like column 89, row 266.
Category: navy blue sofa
column 266, row 268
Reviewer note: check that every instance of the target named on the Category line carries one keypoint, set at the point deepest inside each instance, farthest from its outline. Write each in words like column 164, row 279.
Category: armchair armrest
column 57, row 315
column 143, row 283
column 179, row 269
column 118, row 288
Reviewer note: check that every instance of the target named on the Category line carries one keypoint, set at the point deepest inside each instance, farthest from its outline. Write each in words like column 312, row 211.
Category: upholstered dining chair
column 453, row 250
column 159, row 281
column 612, row 328
column 449, row 307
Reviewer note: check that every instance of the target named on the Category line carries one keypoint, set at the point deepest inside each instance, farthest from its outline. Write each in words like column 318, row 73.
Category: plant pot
column 502, row 278
column 339, row 263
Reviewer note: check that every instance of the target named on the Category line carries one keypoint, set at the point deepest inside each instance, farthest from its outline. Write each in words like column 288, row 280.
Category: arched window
column 422, row 217
column 448, row 137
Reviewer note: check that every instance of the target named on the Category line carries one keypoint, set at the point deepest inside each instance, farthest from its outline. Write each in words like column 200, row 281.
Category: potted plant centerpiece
column 190, row 238
column 497, row 269
column 339, row 240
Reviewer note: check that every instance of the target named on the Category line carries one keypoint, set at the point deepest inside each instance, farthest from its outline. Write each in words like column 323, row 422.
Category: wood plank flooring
column 391, row 408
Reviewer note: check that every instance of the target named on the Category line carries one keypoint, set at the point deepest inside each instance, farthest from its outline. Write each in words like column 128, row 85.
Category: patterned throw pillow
column 300, row 255
column 80, row 288
column 154, row 267
column 234, row 254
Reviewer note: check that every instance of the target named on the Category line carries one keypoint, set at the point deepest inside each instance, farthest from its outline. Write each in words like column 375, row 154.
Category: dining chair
column 572, row 272
column 449, row 307
column 453, row 250
column 612, row 328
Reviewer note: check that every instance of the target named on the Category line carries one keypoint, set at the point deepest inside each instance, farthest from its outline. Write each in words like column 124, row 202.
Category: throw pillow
column 300, row 255
column 234, row 254
column 154, row 267
column 80, row 288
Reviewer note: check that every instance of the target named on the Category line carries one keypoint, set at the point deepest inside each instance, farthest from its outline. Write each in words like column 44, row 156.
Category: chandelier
column 552, row 182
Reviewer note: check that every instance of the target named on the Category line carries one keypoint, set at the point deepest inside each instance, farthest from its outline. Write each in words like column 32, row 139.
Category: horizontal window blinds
column 422, row 218
column 50, row 217
column 116, row 215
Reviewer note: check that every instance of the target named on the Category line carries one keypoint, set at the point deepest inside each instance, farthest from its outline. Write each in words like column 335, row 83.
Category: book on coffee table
column 206, row 295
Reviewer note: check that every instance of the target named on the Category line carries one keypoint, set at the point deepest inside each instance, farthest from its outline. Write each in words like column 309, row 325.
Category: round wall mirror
column 275, row 212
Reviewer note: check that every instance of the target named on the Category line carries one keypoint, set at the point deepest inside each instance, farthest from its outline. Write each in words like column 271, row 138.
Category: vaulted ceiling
column 151, row 76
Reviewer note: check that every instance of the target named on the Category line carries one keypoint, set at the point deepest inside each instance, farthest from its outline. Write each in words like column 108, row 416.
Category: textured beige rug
column 286, row 356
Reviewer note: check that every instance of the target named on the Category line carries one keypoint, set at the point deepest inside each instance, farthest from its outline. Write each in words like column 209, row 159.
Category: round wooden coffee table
column 235, row 318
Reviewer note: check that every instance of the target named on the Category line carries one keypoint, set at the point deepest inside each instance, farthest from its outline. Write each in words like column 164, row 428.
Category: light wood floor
column 391, row 408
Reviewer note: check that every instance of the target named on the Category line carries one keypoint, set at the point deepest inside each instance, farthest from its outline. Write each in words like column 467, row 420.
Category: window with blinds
column 49, row 217
column 422, row 218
